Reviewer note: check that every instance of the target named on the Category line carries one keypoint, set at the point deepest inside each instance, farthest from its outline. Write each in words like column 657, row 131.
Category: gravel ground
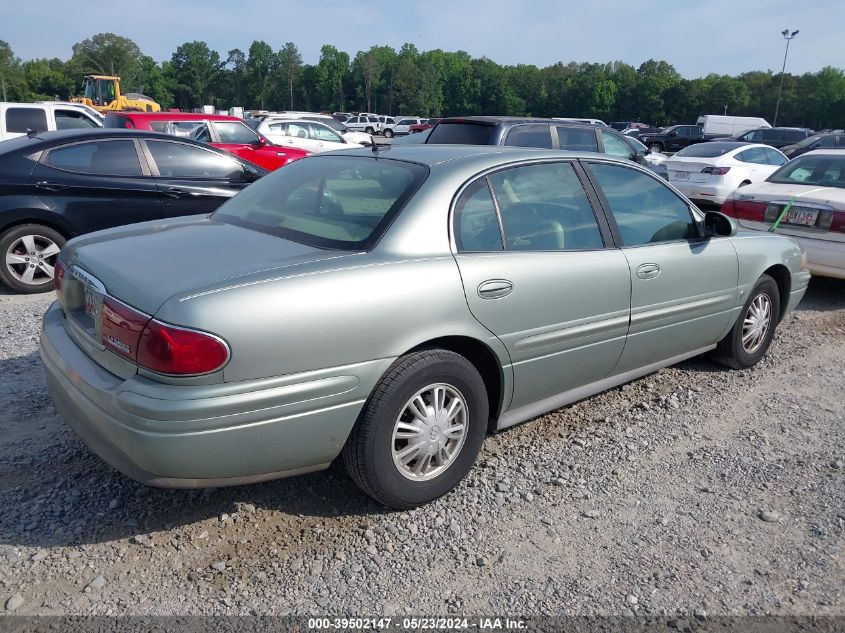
column 689, row 491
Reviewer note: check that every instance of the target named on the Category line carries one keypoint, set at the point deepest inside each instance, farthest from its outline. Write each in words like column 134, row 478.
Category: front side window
column 577, row 139
column 476, row 222
column 544, row 208
column 533, row 135
column 322, row 133
column 235, row 133
column 23, row 119
column 615, row 146
column 105, row 158
column 72, row 120
column 339, row 202
column 646, row 211
column 774, row 157
column 178, row 160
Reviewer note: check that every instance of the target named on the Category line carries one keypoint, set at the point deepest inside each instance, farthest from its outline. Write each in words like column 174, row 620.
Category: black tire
column 656, row 147
column 368, row 453
column 731, row 351
column 388, row 133
column 11, row 244
column 369, row 130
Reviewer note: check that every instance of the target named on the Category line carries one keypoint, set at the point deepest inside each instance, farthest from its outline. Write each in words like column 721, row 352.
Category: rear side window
column 464, row 133
column 72, row 120
column 533, row 135
column 646, row 211
column 476, row 222
column 106, row 158
column 117, row 121
column 577, row 139
column 234, row 132
column 22, row 119
column 544, row 208
column 339, row 202
column 177, row 160
column 754, row 155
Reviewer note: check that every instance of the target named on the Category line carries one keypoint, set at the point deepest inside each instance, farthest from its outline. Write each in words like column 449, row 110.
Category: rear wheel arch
column 485, row 361
column 783, row 279
column 24, row 216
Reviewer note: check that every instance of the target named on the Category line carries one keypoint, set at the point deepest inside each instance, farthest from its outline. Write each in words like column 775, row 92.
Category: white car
column 812, row 186
column 403, row 125
column 312, row 136
column 710, row 172
column 368, row 123
column 386, row 123
column 17, row 118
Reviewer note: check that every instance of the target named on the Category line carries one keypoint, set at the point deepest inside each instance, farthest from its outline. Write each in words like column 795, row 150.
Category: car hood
column 145, row 264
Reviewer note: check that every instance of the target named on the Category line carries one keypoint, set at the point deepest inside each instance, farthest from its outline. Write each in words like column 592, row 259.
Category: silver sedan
column 393, row 307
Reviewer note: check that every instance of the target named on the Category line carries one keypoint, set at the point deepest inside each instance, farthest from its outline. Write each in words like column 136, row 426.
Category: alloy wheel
column 30, row 259
column 430, row 432
column 755, row 325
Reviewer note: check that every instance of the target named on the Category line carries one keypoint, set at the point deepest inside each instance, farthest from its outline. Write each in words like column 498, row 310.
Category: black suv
column 772, row 136
column 536, row 132
column 673, row 138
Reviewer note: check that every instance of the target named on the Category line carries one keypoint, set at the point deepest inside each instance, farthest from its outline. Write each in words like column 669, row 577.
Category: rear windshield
column 708, row 150
column 462, row 133
column 339, row 202
column 823, row 170
column 115, row 120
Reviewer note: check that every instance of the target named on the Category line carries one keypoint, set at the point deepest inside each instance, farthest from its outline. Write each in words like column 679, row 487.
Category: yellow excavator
column 102, row 92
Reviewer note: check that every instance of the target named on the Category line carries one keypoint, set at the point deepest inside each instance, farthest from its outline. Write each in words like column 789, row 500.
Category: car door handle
column 648, row 271
column 50, row 186
column 495, row 288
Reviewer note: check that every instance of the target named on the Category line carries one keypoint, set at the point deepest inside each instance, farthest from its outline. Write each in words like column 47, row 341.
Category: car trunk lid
column 688, row 170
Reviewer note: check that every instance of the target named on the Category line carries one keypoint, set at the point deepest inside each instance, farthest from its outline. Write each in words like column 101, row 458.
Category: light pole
column 788, row 37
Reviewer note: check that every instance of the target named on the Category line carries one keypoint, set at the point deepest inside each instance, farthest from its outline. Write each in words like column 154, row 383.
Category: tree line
column 424, row 83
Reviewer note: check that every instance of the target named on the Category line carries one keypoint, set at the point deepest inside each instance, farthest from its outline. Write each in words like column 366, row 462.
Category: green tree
column 195, row 69
column 261, row 65
column 13, row 85
column 290, row 68
column 46, row 79
column 331, row 73
column 108, row 54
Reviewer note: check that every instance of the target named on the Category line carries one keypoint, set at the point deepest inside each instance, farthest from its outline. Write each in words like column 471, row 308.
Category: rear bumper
column 825, row 258
column 702, row 192
column 205, row 435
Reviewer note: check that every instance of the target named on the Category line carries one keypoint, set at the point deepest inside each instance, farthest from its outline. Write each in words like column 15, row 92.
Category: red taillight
column 749, row 210
column 728, row 208
column 838, row 224
column 167, row 349
column 121, row 328
column 716, row 171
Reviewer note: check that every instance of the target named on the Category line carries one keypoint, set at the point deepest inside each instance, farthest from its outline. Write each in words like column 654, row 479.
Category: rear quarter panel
column 757, row 252
column 324, row 317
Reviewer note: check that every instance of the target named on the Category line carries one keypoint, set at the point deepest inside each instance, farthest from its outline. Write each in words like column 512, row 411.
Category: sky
column 708, row 36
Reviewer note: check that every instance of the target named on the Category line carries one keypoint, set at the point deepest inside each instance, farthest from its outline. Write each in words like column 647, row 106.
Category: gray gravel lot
column 692, row 491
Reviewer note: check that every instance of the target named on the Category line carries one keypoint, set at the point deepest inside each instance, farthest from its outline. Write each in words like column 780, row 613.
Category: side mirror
column 717, row 224
column 673, row 134
column 258, row 143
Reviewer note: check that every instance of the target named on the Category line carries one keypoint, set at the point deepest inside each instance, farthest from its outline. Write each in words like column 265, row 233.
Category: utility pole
column 788, row 37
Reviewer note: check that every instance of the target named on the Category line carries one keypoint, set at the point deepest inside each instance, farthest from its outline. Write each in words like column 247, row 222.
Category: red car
column 422, row 127
column 226, row 132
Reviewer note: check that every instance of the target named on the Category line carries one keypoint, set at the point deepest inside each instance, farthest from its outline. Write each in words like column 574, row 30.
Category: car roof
column 495, row 120
column 431, row 155
column 43, row 140
column 175, row 116
column 831, row 151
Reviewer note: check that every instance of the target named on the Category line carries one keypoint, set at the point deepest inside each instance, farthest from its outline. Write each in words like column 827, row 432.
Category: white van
column 715, row 125
column 17, row 118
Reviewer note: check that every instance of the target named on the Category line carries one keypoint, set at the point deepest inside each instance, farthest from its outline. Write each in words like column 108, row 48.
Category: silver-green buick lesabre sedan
column 393, row 307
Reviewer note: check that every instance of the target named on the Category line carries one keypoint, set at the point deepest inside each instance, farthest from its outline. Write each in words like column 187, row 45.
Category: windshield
column 708, row 150
column 825, row 170
column 340, row 202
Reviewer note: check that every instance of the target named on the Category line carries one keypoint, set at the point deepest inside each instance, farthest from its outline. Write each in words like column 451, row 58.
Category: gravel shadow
column 823, row 295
